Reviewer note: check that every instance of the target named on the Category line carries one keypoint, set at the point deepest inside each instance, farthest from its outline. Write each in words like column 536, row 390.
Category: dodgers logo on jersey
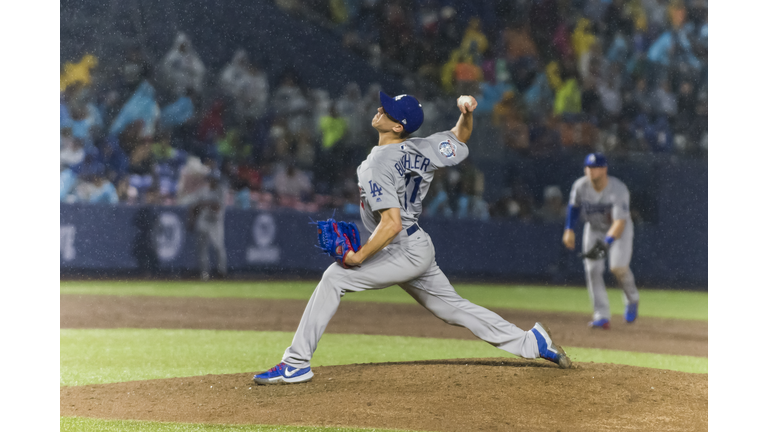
column 375, row 189
column 447, row 149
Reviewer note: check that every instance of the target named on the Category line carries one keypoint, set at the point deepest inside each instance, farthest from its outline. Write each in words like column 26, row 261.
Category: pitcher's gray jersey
column 600, row 209
column 399, row 175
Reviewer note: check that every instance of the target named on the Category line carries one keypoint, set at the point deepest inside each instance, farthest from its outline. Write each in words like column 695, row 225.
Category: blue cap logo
column 594, row 160
column 405, row 109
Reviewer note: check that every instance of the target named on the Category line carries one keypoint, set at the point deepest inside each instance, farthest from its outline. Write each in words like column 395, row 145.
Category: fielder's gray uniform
column 398, row 176
column 599, row 210
column 209, row 228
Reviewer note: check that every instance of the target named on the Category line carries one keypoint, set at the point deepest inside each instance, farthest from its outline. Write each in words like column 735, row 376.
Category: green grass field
column 91, row 356
column 655, row 303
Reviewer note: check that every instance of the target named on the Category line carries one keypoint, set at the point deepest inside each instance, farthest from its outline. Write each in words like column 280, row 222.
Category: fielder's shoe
column 548, row 349
column 603, row 323
column 283, row 373
column 630, row 314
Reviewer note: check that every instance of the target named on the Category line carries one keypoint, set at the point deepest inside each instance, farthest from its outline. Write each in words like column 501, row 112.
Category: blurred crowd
column 624, row 75
column 155, row 133
column 549, row 75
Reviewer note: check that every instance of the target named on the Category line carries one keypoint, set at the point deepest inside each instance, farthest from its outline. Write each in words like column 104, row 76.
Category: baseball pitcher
column 603, row 200
column 393, row 182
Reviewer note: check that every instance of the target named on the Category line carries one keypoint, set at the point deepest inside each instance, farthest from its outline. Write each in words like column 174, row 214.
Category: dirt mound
column 653, row 335
column 446, row 395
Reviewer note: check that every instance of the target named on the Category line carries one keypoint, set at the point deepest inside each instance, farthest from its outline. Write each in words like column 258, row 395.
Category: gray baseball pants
column 409, row 261
column 213, row 235
column 619, row 256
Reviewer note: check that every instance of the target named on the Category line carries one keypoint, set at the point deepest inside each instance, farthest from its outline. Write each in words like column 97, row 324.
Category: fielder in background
column 393, row 181
column 603, row 200
column 206, row 219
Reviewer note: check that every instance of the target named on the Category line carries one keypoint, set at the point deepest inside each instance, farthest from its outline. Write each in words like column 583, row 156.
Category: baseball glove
column 338, row 238
column 598, row 251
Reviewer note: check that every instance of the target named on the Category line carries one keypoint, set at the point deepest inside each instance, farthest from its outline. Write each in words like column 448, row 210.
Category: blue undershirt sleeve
column 571, row 216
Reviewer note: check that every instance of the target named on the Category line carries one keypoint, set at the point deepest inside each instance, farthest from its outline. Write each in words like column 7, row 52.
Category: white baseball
column 465, row 100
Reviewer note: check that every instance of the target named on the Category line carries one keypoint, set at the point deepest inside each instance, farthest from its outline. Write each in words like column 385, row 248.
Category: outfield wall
column 115, row 241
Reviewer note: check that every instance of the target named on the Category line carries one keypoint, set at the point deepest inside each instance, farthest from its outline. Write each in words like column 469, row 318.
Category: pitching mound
column 445, row 395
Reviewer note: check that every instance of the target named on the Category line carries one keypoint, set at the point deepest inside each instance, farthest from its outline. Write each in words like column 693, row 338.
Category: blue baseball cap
column 595, row 160
column 405, row 109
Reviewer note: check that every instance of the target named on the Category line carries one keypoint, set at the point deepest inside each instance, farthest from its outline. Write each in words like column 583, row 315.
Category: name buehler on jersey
column 399, row 175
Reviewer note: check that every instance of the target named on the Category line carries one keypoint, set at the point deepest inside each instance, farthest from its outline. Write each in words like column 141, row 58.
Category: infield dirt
column 446, row 395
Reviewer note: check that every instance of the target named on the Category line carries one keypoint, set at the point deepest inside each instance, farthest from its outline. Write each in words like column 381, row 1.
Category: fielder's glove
column 598, row 251
column 337, row 239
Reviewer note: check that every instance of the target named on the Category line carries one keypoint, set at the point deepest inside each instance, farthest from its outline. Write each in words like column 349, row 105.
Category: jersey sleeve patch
column 447, row 148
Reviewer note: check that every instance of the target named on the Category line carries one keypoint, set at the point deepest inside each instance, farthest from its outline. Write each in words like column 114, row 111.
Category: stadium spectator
column 247, row 86
column 474, row 40
column 332, row 155
column 351, row 107
column 505, row 207
column 77, row 73
column 211, row 125
column 334, row 128
column 639, row 100
column 85, row 121
column 508, row 116
column 304, row 153
column 141, row 107
column 449, row 32
column 609, row 90
column 293, row 186
column 686, row 105
column 94, row 187
column 544, row 136
column 518, row 44
column 568, row 96
column 71, row 149
column 470, row 203
column 440, row 203
column 67, row 182
column 553, row 209
column 134, row 70
column 664, row 101
column 518, row 200
column 538, row 98
column 181, row 68
column 290, row 102
column 177, row 113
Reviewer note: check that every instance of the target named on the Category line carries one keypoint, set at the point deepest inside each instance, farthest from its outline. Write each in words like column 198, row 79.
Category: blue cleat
column 603, row 323
column 630, row 314
column 548, row 349
column 283, row 373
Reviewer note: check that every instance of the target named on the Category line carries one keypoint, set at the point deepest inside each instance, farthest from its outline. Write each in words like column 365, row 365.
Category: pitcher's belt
column 412, row 229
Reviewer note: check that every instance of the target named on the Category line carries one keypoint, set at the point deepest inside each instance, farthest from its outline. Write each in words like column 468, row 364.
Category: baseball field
column 180, row 356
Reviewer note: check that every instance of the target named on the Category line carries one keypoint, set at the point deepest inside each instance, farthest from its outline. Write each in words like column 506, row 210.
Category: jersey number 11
column 415, row 193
